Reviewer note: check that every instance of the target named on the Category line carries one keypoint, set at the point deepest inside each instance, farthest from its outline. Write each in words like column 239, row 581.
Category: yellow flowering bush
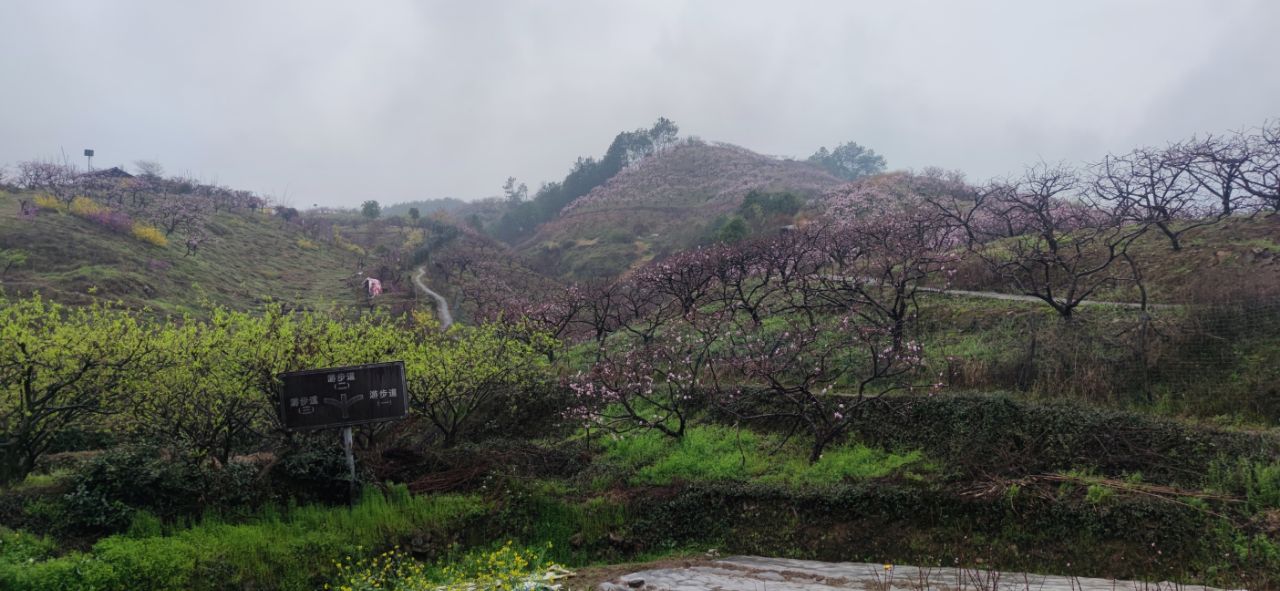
column 149, row 234
column 504, row 569
column 414, row 238
column 345, row 244
column 49, row 202
column 85, row 207
column 305, row 244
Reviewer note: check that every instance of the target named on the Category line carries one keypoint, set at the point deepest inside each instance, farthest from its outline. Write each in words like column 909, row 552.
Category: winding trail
column 442, row 305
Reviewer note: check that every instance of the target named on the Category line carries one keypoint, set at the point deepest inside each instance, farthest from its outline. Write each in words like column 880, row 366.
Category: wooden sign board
column 343, row 396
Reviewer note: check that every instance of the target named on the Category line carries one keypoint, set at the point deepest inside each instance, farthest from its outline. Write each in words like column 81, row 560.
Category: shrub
column 88, row 209
column 149, row 234
column 504, row 568
column 997, row 434
column 85, row 207
column 49, row 202
column 17, row 547
column 109, row 492
column 1258, row 482
column 305, row 244
column 414, row 238
column 116, row 221
column 316, row 474
column 617, row 236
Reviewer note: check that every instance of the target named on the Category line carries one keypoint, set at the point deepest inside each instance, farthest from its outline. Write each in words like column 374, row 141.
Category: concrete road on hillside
column 1012, row 297
column 442, row 305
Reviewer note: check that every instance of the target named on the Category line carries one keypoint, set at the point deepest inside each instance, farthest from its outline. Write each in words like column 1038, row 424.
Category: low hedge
column 998, row 434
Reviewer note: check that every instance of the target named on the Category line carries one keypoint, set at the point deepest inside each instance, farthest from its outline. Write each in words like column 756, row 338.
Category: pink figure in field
column 373, row 286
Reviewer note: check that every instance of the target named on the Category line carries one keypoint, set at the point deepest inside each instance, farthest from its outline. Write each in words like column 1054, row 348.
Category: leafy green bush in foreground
column 290, row 549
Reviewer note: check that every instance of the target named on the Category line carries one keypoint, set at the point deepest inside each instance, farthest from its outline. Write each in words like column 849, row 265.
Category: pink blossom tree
column 177, row 212
column 814, row 376
column 762, row 277
column 656, row 385
column 884, row 242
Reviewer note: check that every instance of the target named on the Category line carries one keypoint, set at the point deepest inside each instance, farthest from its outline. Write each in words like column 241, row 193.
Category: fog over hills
column 332, row 104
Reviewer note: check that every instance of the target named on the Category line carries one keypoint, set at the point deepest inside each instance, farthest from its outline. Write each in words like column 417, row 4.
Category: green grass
column 722, row 454
column 295, row 548
column 37, row 482
column 247, row 259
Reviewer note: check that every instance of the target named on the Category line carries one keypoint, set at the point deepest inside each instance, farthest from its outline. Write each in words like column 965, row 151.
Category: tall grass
column 714, row 453
column 290, row 548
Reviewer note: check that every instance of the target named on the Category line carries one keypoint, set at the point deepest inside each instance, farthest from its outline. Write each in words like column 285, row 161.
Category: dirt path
column 442, row 305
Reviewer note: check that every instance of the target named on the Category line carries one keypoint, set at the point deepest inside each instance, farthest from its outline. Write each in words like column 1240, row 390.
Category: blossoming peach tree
column 814, row 376
column 655, row 385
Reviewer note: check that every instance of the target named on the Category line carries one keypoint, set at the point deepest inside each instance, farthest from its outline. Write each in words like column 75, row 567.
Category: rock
column 635, row 583
column 606, row 586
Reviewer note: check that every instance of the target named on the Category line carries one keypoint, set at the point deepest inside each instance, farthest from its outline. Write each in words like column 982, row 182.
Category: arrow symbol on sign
column 344, row 404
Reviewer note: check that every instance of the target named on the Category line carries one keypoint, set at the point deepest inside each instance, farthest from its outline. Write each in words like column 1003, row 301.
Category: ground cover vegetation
column 176, row 245
column 811, row 392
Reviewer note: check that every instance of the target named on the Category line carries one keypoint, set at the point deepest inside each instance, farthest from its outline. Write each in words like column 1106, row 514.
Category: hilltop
column 671, row 200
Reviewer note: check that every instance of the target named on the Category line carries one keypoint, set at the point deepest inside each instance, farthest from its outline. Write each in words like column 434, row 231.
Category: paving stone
column 757, row 573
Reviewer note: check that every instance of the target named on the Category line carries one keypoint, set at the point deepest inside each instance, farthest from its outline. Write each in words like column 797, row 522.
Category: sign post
column 343, row 397
column 351, row 466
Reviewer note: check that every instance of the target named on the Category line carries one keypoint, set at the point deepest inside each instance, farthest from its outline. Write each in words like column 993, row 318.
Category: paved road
column 1013, row 297
column 995, row 295
column 753, row 573
column 442, row 305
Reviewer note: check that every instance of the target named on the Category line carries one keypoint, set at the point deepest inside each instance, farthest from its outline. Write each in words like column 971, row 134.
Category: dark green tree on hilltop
column 849, row 161
column 370, row 209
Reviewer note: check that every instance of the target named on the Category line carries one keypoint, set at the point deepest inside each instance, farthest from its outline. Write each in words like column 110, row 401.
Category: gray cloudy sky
column 337, row 102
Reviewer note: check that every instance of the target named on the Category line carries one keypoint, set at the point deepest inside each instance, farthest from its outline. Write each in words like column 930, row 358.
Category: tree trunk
column 14, row 465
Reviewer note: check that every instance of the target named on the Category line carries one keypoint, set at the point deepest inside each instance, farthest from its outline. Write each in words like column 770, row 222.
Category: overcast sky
column 338, row 102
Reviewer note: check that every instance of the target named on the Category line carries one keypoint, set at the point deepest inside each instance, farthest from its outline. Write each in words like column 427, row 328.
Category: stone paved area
column 753, row 573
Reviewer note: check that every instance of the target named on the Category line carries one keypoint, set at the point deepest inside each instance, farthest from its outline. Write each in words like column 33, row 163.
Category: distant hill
column 669, row 201
column 425, row 207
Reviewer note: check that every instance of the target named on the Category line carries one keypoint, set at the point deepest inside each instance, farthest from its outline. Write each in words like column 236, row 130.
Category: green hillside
column 246, row 259
column 667, row 202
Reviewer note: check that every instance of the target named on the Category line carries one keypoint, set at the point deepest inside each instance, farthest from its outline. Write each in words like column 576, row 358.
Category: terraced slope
column 248, row 258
